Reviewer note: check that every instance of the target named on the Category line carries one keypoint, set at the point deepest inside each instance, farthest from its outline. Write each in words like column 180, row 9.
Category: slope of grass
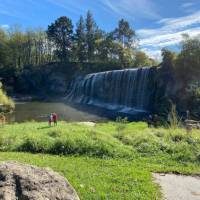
column 110, row 139
column 67, row 138
column 108, row 161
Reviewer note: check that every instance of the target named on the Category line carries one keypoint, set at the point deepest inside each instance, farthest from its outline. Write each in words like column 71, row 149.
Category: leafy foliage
column 60, row 32
column 6, row 104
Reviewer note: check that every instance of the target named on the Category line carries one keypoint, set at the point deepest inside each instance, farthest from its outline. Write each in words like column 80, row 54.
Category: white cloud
column 5, row 26
column 170, row 33
column 153, row 53
column 187, row 4
column 172, row 25
column 169, row 39
column 181, row 22
column 131, row 8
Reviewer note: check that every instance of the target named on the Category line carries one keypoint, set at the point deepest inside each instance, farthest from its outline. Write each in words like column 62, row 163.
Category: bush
column 35, row 145
column 174, row 120
column 7, row 102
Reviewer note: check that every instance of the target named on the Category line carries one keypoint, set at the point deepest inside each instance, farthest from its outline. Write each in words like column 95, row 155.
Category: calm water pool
column 38, row 111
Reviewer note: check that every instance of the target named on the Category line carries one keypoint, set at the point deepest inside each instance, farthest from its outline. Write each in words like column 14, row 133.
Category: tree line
column 64, row 42
column 184, row 67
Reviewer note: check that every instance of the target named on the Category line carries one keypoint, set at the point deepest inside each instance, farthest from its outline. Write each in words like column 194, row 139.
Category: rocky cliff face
column 42, row 81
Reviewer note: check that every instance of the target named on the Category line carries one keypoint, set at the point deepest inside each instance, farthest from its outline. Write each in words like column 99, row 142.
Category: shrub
column 174, row 120
column 35, row 145
column 7, row 102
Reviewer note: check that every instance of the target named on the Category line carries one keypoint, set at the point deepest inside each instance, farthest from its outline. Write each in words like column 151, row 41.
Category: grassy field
column 108, row 161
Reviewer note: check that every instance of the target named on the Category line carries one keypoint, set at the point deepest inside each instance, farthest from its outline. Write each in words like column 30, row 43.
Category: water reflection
column 39, row 111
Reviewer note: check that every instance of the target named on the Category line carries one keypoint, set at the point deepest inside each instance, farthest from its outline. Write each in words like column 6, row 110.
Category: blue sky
column 158, row 23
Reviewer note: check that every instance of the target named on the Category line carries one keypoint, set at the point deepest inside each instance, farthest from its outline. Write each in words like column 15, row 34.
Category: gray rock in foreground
column 25, row 182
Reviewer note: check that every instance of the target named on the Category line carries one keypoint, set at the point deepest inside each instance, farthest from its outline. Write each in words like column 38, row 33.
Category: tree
column 188, row 61
column 169, row 58
column 91, row 33
column 105, row 48
column 141, row 60
column 125, row 34
column 61, row 33
column 17, row 43
column 80, row 38
column 5, row 51
column 124, row 37
column 125, row 55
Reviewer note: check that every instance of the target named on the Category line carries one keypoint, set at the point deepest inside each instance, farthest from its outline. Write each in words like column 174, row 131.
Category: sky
column 158, row 23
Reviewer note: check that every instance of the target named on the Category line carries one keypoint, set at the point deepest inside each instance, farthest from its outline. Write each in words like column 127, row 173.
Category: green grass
column 95, row 178
column 108, row 161
column 114, row 140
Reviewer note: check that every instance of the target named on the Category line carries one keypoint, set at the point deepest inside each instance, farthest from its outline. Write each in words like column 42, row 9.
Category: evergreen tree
column 80, row 38
column 91, row 30
column 125, row 34
column 61, row 33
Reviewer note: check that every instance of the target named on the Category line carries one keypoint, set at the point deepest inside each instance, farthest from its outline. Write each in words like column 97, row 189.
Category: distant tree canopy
column 188, row 61
column 87, row 43
column 185, row 67
column 125, row 34
column 169, row 58
column 186, row 64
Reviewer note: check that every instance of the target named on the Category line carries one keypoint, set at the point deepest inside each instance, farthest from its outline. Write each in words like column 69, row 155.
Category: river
column 38, row 111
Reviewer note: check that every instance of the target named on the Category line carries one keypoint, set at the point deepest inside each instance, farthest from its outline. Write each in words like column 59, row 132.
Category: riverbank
column 111, row 160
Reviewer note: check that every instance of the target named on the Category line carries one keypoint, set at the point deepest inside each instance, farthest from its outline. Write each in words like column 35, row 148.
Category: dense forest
column 45, row 61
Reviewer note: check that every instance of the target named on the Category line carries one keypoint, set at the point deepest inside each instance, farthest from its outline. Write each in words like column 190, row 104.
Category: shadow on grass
column 45, row 127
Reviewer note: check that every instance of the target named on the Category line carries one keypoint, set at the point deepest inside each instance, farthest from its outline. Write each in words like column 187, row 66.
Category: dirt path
column 92, row 124
column 179, row 187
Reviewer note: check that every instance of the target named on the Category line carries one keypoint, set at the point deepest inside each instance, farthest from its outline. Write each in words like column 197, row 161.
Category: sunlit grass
column 107, row 161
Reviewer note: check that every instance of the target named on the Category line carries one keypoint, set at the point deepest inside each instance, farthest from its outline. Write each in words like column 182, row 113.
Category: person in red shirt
column 55, row 119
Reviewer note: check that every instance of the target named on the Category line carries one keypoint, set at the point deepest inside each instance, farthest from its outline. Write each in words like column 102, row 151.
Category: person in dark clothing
column 55, row 119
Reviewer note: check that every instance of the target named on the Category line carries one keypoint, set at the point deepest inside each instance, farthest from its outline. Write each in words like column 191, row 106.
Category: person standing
column 55, row 119
column 50, row 119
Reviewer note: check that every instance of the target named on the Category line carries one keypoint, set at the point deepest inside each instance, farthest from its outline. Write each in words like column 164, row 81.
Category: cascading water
column 127, row 91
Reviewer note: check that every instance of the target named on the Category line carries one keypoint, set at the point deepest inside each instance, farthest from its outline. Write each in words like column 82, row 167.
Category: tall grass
column 174, row 119
column 103, row 140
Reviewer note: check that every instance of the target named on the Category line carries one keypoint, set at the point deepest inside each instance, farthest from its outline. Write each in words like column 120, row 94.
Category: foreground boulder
column 25, row 182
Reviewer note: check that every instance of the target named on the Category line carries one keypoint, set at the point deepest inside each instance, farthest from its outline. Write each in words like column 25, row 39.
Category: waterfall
column 129, row 90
